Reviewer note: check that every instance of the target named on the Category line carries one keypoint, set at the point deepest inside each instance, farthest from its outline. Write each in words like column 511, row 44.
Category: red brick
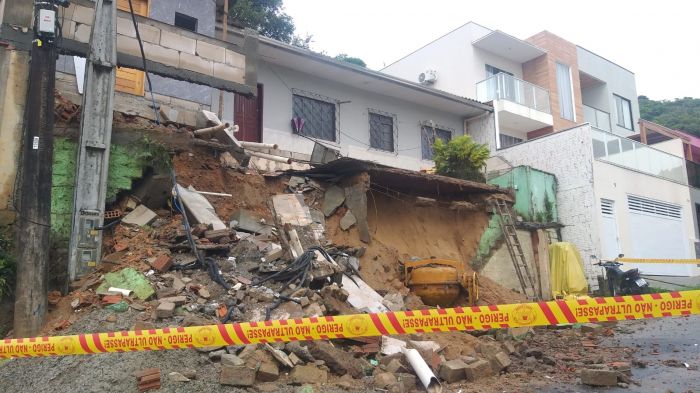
column 163, row 263
column 121, row 246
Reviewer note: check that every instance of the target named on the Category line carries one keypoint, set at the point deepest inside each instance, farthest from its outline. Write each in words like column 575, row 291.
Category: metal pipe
column 258, row 145
column 209, row 130
column 269, row 157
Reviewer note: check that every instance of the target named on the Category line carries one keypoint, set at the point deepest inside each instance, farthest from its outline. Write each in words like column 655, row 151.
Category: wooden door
column 130, row 80
column 247, row 114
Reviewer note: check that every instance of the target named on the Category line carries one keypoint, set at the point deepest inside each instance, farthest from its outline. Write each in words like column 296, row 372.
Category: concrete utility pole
column 95, row 140
column 34, row 210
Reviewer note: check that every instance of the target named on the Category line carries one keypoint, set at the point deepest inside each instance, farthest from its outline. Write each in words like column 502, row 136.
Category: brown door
column 130, row 80
column 247, row 114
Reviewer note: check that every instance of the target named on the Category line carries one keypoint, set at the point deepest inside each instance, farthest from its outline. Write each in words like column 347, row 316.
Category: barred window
column 318, row 116
column 428, row 137
column 381, row 132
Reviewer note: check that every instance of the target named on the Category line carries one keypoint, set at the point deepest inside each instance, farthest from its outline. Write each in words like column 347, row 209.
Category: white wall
column 459, row 65
column 616, row 183
column 353, row 119
column 617, row 81
column 568, row 155
column 671, row 146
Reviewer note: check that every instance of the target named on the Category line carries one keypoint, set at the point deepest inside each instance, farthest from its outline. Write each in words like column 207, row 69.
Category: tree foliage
column 265, row 16
column 352, row 60
column 460, row 158
column 680, row 114
column 7, row 267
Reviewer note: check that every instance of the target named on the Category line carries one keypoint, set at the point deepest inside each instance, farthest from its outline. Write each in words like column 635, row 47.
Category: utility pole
column 95, row 140
column 34, row 217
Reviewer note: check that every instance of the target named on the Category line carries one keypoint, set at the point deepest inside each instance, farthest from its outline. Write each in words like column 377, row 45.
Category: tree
column 352, row 60
column 680, row 114
column 302, row 42
column 460, row 158
column 265, row 16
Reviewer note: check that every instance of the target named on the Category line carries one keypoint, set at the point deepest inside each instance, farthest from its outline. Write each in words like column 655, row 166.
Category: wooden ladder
column 527, row 283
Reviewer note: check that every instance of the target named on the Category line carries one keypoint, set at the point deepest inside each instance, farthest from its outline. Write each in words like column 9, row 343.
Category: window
column 429, row 135
column 566, row 92
column 318, row 116
column 186, row 22
column 623, row 107
column 381, row 131
column 652, row 207
column 508, row 141
column 491, row 71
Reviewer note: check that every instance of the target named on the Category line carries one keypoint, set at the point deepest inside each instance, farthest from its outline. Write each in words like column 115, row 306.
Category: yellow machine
column 438, row 282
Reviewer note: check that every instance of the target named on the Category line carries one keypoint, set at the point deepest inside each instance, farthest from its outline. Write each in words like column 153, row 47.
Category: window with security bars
column 318, row 116
column 428, row 137
column 381, row 132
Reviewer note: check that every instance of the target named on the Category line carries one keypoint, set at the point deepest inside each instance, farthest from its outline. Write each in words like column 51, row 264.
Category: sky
column 657, row 40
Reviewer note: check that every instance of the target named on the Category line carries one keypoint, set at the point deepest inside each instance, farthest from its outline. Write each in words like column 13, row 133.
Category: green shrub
column 460, row 158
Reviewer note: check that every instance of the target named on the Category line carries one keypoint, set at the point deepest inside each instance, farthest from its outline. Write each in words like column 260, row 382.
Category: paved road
column 657, row 340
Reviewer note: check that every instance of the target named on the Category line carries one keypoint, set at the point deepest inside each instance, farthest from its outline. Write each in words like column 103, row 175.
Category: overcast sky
column 657, row 40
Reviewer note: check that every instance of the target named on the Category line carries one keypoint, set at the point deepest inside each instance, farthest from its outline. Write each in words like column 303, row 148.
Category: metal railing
column 637, row 156
column 597, row 118
column 507, row 87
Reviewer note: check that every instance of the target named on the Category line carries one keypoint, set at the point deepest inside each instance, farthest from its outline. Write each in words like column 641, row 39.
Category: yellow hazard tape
column 363, row 325
column 649, row 260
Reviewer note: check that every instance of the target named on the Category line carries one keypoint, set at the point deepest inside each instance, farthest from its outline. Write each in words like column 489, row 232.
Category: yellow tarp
column 566, row 275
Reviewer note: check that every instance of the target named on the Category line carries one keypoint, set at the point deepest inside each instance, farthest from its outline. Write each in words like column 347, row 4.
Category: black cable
column 208, row 262
column 143, row 57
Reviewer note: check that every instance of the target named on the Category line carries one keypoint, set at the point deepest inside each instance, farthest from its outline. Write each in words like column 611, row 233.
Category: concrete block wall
column 569, row 156
column 483, row 130
column 177, row 110
column 168, row 45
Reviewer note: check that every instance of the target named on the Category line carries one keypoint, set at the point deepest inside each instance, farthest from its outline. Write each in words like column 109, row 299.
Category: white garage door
column 657, row 231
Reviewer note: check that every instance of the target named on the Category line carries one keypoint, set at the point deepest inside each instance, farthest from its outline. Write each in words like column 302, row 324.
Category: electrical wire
column 208, row 262
column 143, row 58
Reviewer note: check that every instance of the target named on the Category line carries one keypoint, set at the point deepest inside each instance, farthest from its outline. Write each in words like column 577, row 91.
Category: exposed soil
column 205, row 173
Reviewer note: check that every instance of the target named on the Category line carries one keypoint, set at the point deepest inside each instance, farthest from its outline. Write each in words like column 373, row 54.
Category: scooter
column 621, row 282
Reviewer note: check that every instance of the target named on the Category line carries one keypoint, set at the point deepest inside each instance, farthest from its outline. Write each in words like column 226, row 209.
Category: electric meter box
column 47, row 22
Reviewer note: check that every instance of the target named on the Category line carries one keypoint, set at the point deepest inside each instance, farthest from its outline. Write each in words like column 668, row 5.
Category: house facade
column 565, row 110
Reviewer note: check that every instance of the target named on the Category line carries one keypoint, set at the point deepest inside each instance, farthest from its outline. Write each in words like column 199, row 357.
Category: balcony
column 637, row 156
column 597, row 118
column 521, row 106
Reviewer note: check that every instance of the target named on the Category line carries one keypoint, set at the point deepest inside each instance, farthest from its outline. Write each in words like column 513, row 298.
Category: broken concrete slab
column 499, row 361
column 332, row 200
column 453, row 371
column 165, row 310
column 337, row 360
column 291, row 209
column 268, row 372
column 479, row 369
column 279, row 356
column 362, row 296
column 309, row 374
column 599, row 377
column 247, row 221
column 393, row 301
column 347, row 221
column 231, row 360
column 384, row 381
column 201, row 211
column 140, row 216
column 356, row 201
column 237, row 376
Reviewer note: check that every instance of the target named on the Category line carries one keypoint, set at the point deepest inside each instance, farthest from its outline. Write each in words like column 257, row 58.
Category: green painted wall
column 126, row 163
column 535, row 193
column 535, row 201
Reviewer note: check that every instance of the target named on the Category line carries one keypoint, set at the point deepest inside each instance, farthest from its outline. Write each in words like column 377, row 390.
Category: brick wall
column 542, row 71
column 569, row 156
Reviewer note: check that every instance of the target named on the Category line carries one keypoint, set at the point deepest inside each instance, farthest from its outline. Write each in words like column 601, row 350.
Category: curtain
column 566, row 99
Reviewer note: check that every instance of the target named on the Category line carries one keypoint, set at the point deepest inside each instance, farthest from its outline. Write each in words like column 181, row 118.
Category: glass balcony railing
column 597, row 118
column 507, row 87
column 638, row 156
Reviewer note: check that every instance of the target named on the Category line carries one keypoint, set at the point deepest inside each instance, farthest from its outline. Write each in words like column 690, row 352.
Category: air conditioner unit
column 428, row 77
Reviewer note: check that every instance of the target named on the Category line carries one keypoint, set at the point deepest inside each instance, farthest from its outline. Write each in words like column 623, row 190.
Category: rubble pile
column 280, row 247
